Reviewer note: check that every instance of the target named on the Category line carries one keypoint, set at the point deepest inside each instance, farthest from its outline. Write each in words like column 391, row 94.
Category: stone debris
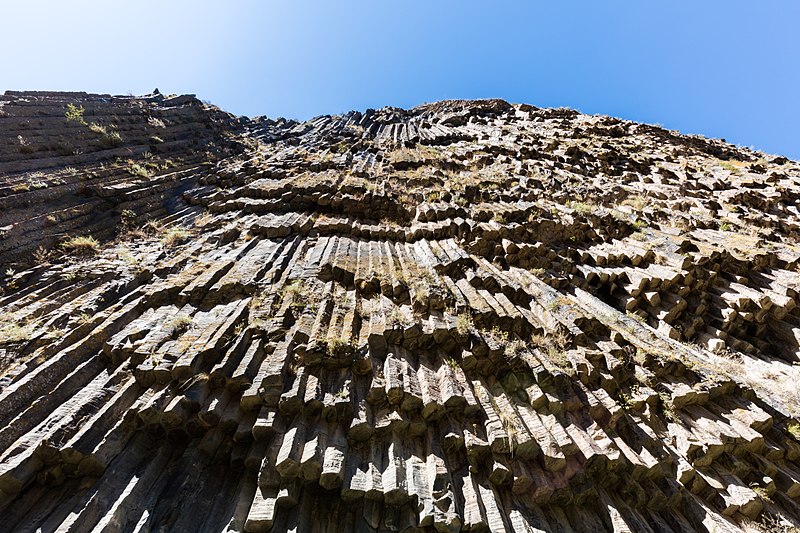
column 467, row 316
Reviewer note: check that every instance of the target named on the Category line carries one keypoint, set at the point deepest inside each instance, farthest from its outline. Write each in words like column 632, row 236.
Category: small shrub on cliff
column 295, row 294
column 87, row 245
column 110, row 139
column 178, row 325
column 75, row 114
column 582, row 208
column 135, row 169
column 636, row 201
column 175, row 236
column 339, row 347
column 794, row 430
column 463, row 324
column 12, row 329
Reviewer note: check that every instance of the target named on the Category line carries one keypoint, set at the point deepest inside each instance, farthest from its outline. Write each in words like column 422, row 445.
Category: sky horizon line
column 312, row 117
column 722, row 69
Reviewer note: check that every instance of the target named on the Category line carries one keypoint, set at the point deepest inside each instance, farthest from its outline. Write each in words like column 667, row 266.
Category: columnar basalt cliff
column 467, row 316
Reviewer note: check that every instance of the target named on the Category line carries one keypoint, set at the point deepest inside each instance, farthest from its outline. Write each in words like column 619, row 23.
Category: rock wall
column 469, row 315
column 131, row 155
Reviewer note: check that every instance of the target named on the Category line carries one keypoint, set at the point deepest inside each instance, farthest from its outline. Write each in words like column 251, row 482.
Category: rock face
column 469, row 315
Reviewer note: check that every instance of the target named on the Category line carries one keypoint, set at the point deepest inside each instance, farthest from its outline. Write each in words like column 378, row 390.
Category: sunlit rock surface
column 467, row 316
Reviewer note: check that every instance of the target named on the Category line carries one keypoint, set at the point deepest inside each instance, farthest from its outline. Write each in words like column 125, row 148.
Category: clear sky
column 726, row 69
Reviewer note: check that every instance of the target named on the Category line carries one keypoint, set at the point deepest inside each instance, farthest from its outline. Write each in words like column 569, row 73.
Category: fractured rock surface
column 469, row 315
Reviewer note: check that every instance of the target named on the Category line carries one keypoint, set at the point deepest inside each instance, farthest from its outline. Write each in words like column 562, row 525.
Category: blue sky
column 726, row 69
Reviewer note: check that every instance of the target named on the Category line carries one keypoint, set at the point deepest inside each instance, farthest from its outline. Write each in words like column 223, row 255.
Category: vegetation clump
column 553, row 346
column 175, row 236
column 13, row 330
column 582, row 208
column 339, row 347
column 94, row 127
column 110, row 139
column 75, row 114
column 179, row 325
column 295, row 295
column 794, row 430
column 82, row 246
column 135, row 169
column 463, row 324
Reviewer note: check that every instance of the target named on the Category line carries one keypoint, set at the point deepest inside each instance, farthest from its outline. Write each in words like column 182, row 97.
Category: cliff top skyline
column 724, row 70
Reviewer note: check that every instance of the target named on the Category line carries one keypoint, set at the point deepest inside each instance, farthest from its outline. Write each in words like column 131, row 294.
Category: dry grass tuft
column 83, row 246
column 175, row 236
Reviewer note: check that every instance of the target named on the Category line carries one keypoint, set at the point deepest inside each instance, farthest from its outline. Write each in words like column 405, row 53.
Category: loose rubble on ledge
column 467, row 316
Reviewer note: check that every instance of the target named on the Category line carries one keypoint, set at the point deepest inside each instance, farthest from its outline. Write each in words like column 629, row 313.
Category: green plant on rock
column 636, row 201
column 667, row 408
column 769, row 522
column 511, row 432
column 75, row 114
column 295, row 295
column 794, row 430
column 14, row 329
column 421, row 293
column 495, row 335
column 636, row 316
column 83, row 318
column 94, row 127
column 339, row 346
column 553, row 346
column 463, row 323
column 514, row 349
column 730, row 167
column 432, row 197
column 124, row 254
column 135, row 169
column 110, row 139
column 400, row 319
column 52, row 334
column 625, row 401
column 761, row 491
column 582, row 208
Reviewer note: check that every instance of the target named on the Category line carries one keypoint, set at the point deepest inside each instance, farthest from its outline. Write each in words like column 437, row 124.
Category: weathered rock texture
column 464, row 316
